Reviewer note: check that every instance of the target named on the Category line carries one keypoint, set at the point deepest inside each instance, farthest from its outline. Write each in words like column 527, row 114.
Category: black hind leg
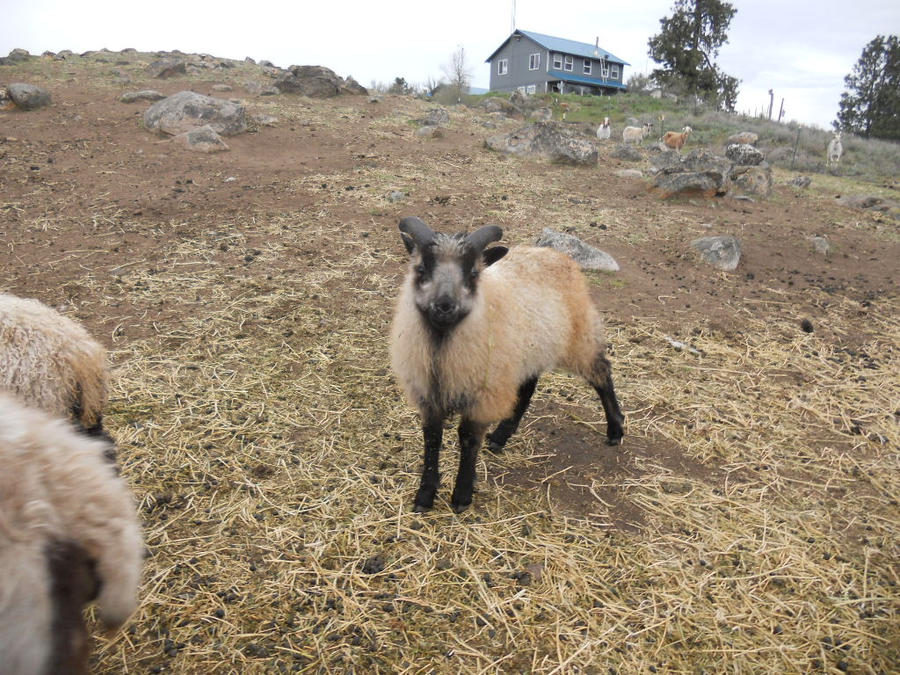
column 603, row 385
column 497, row 439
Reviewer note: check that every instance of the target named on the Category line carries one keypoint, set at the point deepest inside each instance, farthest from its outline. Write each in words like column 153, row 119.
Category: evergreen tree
column 687, row 46
column 871, row 106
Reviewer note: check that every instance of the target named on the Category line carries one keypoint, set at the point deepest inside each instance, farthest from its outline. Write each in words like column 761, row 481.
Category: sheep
column 603, row 131
column 51, row 362
column 676, row 140
column 68, row 534
column 471, row 335
column 835, row 150
column 636, row 134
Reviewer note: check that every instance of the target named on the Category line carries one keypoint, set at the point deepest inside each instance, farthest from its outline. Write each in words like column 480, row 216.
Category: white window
column 521, row 89
column 531, row 89
column 570, row 64
column 534, row 61
column 557, row 62
column 614, row 72
column 587, row 66
column 502, row 66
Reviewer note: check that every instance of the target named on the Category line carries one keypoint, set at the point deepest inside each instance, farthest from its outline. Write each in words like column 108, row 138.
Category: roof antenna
column 513, row 17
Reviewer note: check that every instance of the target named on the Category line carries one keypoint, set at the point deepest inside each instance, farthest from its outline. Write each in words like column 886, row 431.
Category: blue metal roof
column 581, row 79
column 555, row 44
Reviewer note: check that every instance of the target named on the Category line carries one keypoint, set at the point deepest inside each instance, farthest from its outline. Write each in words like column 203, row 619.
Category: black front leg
column 498, row 437
column 470, row 436
column 433, row 431
column 614, row 416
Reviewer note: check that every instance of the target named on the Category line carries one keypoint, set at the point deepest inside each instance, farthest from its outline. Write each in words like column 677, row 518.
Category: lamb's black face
column 446, row 281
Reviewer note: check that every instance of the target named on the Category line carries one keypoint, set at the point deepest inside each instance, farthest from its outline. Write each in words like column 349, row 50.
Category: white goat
column 835, row 150
column 471, row 335
column 604, row 131
column 636, row 134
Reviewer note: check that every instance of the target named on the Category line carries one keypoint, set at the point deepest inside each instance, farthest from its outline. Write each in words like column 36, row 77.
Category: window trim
column 534, row 59
column 614, row 71
column 502, row 67
column 531, row 89
column 586, row 70
column 557, row 62
column 568, row 63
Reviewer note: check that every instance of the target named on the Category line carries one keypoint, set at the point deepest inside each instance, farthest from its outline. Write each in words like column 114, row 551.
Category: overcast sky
column 801, row 49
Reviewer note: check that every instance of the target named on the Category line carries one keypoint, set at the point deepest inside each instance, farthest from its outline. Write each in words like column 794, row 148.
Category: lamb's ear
column 493, row 254
column 408, row 242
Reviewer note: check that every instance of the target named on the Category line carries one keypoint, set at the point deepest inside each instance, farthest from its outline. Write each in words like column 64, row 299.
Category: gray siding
column 517, row 53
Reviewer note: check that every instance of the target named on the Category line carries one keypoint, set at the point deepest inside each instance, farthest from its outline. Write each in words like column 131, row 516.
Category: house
column 538, row 64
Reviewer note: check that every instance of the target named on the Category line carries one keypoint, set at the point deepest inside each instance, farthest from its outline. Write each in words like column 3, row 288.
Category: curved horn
column 484, row 236
column 418, row 230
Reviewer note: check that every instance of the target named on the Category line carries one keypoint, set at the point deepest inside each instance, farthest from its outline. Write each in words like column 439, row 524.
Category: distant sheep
column 604, row 130
column 835, row 150
column 471, row 335
column 636, row 134
column 68, row 534
column 676, row 140
column 50, row 362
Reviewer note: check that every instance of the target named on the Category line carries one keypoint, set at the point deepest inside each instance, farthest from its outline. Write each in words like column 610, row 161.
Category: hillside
column 748, row 523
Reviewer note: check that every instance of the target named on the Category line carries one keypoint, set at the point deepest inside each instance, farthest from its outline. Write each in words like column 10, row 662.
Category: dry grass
column 753, row 526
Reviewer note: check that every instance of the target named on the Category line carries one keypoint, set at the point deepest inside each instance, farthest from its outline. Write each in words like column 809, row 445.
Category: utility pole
column 781, row 109
column 771, row 102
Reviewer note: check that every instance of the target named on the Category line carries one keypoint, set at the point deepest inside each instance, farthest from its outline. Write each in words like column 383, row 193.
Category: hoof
column 459, row 508
column 420, row 508
column 614, row 441
column 495, row 448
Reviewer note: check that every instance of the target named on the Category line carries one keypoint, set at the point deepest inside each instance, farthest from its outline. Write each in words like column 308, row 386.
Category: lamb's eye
column 420, row 269
column 474, row 273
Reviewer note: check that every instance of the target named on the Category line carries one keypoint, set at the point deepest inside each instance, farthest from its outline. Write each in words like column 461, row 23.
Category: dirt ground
column 277, row 262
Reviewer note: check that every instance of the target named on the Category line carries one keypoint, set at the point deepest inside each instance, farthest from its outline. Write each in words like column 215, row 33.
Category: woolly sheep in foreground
column 604, row 130
column 471, row 335
column 68, row 533
column 50, row 361
column 636, row 134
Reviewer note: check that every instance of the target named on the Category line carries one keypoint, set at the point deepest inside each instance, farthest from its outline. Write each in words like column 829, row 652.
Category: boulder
column 15, row 56
column 436, row 117
column 629, row 173
column 628, row 153
column 587, row 256
column 743, row 138
column 143, row 95
column 698, row 172
column 820, row 244
column 201, row 139
column 541, row 114
column 501, row 105
column 28, row 96
column 317, row 82
column 751, row 181
column 429, row 131
column 722, row 252
column 744, row 154
column 858, row 201
column 187, row 110
column 549, row 140
column 800, row 181
column 167, row 68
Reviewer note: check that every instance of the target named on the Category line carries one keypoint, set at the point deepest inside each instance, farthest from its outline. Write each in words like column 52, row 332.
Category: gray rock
column 696, row 172
column 744, row 154
column 28, row 96
column 800, row 181
column 15, row 56
column 541, row 114
column 549, row 140
column 317, row 82
column 743, row 137
column 517, row 98
column 187, row 110
column 222, row 87
column 629, row 173
column 396, row 196
column 143, row 95
column 201, row 139
column 858, row 201
column 501, row 105
column 722, row 252
column 585, row 255
column 167, row 68
column 266, row 120
column 628, row 153
column 437, row 117
column 751, row 181
column 820, row 244
column 429, row 131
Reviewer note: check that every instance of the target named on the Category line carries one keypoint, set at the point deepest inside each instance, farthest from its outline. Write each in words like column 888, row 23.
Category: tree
column 871, row 106
column 458, row 72
column 400, row 86
column 687, row 46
